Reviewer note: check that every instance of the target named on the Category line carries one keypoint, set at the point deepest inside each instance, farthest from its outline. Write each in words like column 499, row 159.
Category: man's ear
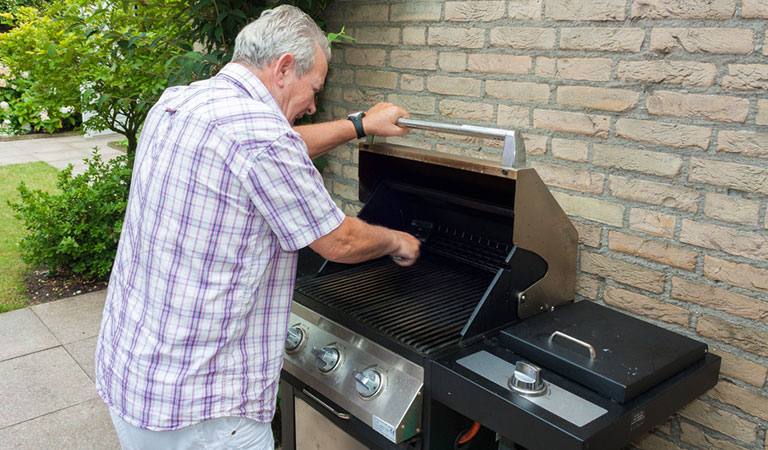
column 285, row 65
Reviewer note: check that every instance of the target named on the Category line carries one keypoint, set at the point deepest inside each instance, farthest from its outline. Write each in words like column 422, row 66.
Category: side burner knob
column 527, row 379
column 368, row 383
column 294, row 339
column 327, row 358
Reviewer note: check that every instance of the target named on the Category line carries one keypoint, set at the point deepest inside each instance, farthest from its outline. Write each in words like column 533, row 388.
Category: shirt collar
column 247, row 82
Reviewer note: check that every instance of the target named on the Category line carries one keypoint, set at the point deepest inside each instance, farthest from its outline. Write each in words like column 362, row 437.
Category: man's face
column 301, row 92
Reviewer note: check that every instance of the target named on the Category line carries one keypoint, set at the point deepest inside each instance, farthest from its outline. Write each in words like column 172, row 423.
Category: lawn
column 38, row 175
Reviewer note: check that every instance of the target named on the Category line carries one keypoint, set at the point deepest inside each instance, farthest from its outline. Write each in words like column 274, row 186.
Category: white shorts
column 222, row 433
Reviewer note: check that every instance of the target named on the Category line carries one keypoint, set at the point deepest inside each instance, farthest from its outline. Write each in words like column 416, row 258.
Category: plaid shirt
column 222, row 197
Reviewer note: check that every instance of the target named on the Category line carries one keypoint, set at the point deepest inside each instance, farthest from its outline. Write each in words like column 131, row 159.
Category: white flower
column 6, row 123
column 66, row 110
column 44, row 114
column 25, row 75
column 13, row 86
column 3, row 83
column 4, row 106
column 4, row 70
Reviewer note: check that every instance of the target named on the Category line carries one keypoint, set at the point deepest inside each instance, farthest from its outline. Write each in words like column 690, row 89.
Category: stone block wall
column 648, row 119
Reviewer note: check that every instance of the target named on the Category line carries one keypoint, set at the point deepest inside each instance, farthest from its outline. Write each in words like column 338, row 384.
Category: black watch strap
column 357, row 120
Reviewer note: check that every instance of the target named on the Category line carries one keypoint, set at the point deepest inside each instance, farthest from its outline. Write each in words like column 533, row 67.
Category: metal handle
column 466, row 130
column 592, row 353
column 340, row 415
column 514, row 148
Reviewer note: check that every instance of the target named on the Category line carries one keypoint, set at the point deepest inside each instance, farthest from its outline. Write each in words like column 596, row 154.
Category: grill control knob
column 327, row 358
column 527, row 379
column 294, row 339
column 368, row 383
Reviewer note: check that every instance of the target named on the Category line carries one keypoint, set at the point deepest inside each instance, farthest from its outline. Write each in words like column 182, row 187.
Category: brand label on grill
column 638, row 418
column 385, row 429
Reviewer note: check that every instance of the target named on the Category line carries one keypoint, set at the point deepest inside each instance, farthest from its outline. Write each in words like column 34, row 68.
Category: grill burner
column 423, row 307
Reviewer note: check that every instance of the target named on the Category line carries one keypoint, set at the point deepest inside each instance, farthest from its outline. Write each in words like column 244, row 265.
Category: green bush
column 106, row 60
column 13, row 5
column 22, row 113
column 77, row 229
column 24, row 106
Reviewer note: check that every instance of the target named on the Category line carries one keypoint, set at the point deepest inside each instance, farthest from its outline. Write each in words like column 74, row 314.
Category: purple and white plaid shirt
column 222, row 197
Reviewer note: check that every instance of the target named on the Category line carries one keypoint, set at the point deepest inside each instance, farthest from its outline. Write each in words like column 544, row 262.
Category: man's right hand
column 381, row 120
column 408, row 250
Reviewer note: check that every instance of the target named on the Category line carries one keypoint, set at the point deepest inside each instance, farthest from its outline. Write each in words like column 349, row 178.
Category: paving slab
column 83, row 426
column 75, row 318
column 84, row 354
column 22, row 332
column 74, row 156
column 17, row 158
column 57, row 151
column 41, row 383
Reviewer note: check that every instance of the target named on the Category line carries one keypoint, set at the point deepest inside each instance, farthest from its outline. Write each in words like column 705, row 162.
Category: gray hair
column 281, row 30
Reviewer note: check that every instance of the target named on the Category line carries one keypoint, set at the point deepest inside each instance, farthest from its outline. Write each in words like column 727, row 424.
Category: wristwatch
column 357, row 120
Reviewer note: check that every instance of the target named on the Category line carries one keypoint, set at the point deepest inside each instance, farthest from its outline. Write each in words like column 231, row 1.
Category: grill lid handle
column 513, row 156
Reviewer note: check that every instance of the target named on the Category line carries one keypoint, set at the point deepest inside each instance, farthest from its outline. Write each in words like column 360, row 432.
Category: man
column 223, row 196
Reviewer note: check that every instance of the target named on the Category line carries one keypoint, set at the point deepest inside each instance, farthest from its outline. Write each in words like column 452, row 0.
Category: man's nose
column 312, row 108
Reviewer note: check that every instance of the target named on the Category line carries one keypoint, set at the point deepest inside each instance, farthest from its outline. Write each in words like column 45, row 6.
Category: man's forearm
column 356, row 241
column 322, row 137
column 380, row 120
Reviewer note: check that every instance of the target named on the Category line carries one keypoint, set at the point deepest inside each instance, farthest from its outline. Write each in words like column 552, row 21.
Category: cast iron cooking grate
column 424, row 306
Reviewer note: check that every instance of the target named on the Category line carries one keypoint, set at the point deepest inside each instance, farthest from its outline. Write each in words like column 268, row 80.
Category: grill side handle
column 513, row 156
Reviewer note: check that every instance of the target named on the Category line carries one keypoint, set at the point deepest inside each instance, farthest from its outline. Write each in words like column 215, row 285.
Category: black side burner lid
column 630, row 355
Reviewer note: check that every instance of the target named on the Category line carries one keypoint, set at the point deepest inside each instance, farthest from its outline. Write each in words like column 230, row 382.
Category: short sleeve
column 288, row 191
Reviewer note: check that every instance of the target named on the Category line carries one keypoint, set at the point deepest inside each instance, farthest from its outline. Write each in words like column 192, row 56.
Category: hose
column 467, row 436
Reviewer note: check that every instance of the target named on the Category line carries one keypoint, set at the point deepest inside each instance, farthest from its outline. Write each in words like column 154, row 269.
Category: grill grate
column 424, row 306
column 467, row 248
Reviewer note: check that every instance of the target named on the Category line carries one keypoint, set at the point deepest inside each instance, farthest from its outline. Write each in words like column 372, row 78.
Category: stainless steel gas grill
column 479, row 345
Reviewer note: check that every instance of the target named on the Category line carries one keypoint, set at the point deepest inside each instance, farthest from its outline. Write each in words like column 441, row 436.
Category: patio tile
column 25, row 145
column 22, row 332
column 59, row 151
column 16, row 158
column 83, row 426
column 72, row 139
column 61, row 154
column 109, row 153
column 41, row 383
column 75, row 318
column 83, row 353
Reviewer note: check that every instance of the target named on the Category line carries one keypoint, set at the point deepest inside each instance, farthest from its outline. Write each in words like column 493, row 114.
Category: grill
column 482, row 329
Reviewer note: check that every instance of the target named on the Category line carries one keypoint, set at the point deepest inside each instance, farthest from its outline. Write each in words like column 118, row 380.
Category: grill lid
column 526, row 214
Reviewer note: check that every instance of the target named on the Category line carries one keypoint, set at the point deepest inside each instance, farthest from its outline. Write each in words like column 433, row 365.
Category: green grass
column 13, row 294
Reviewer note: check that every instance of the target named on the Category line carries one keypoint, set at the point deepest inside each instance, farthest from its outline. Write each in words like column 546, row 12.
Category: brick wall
column 648, row 119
